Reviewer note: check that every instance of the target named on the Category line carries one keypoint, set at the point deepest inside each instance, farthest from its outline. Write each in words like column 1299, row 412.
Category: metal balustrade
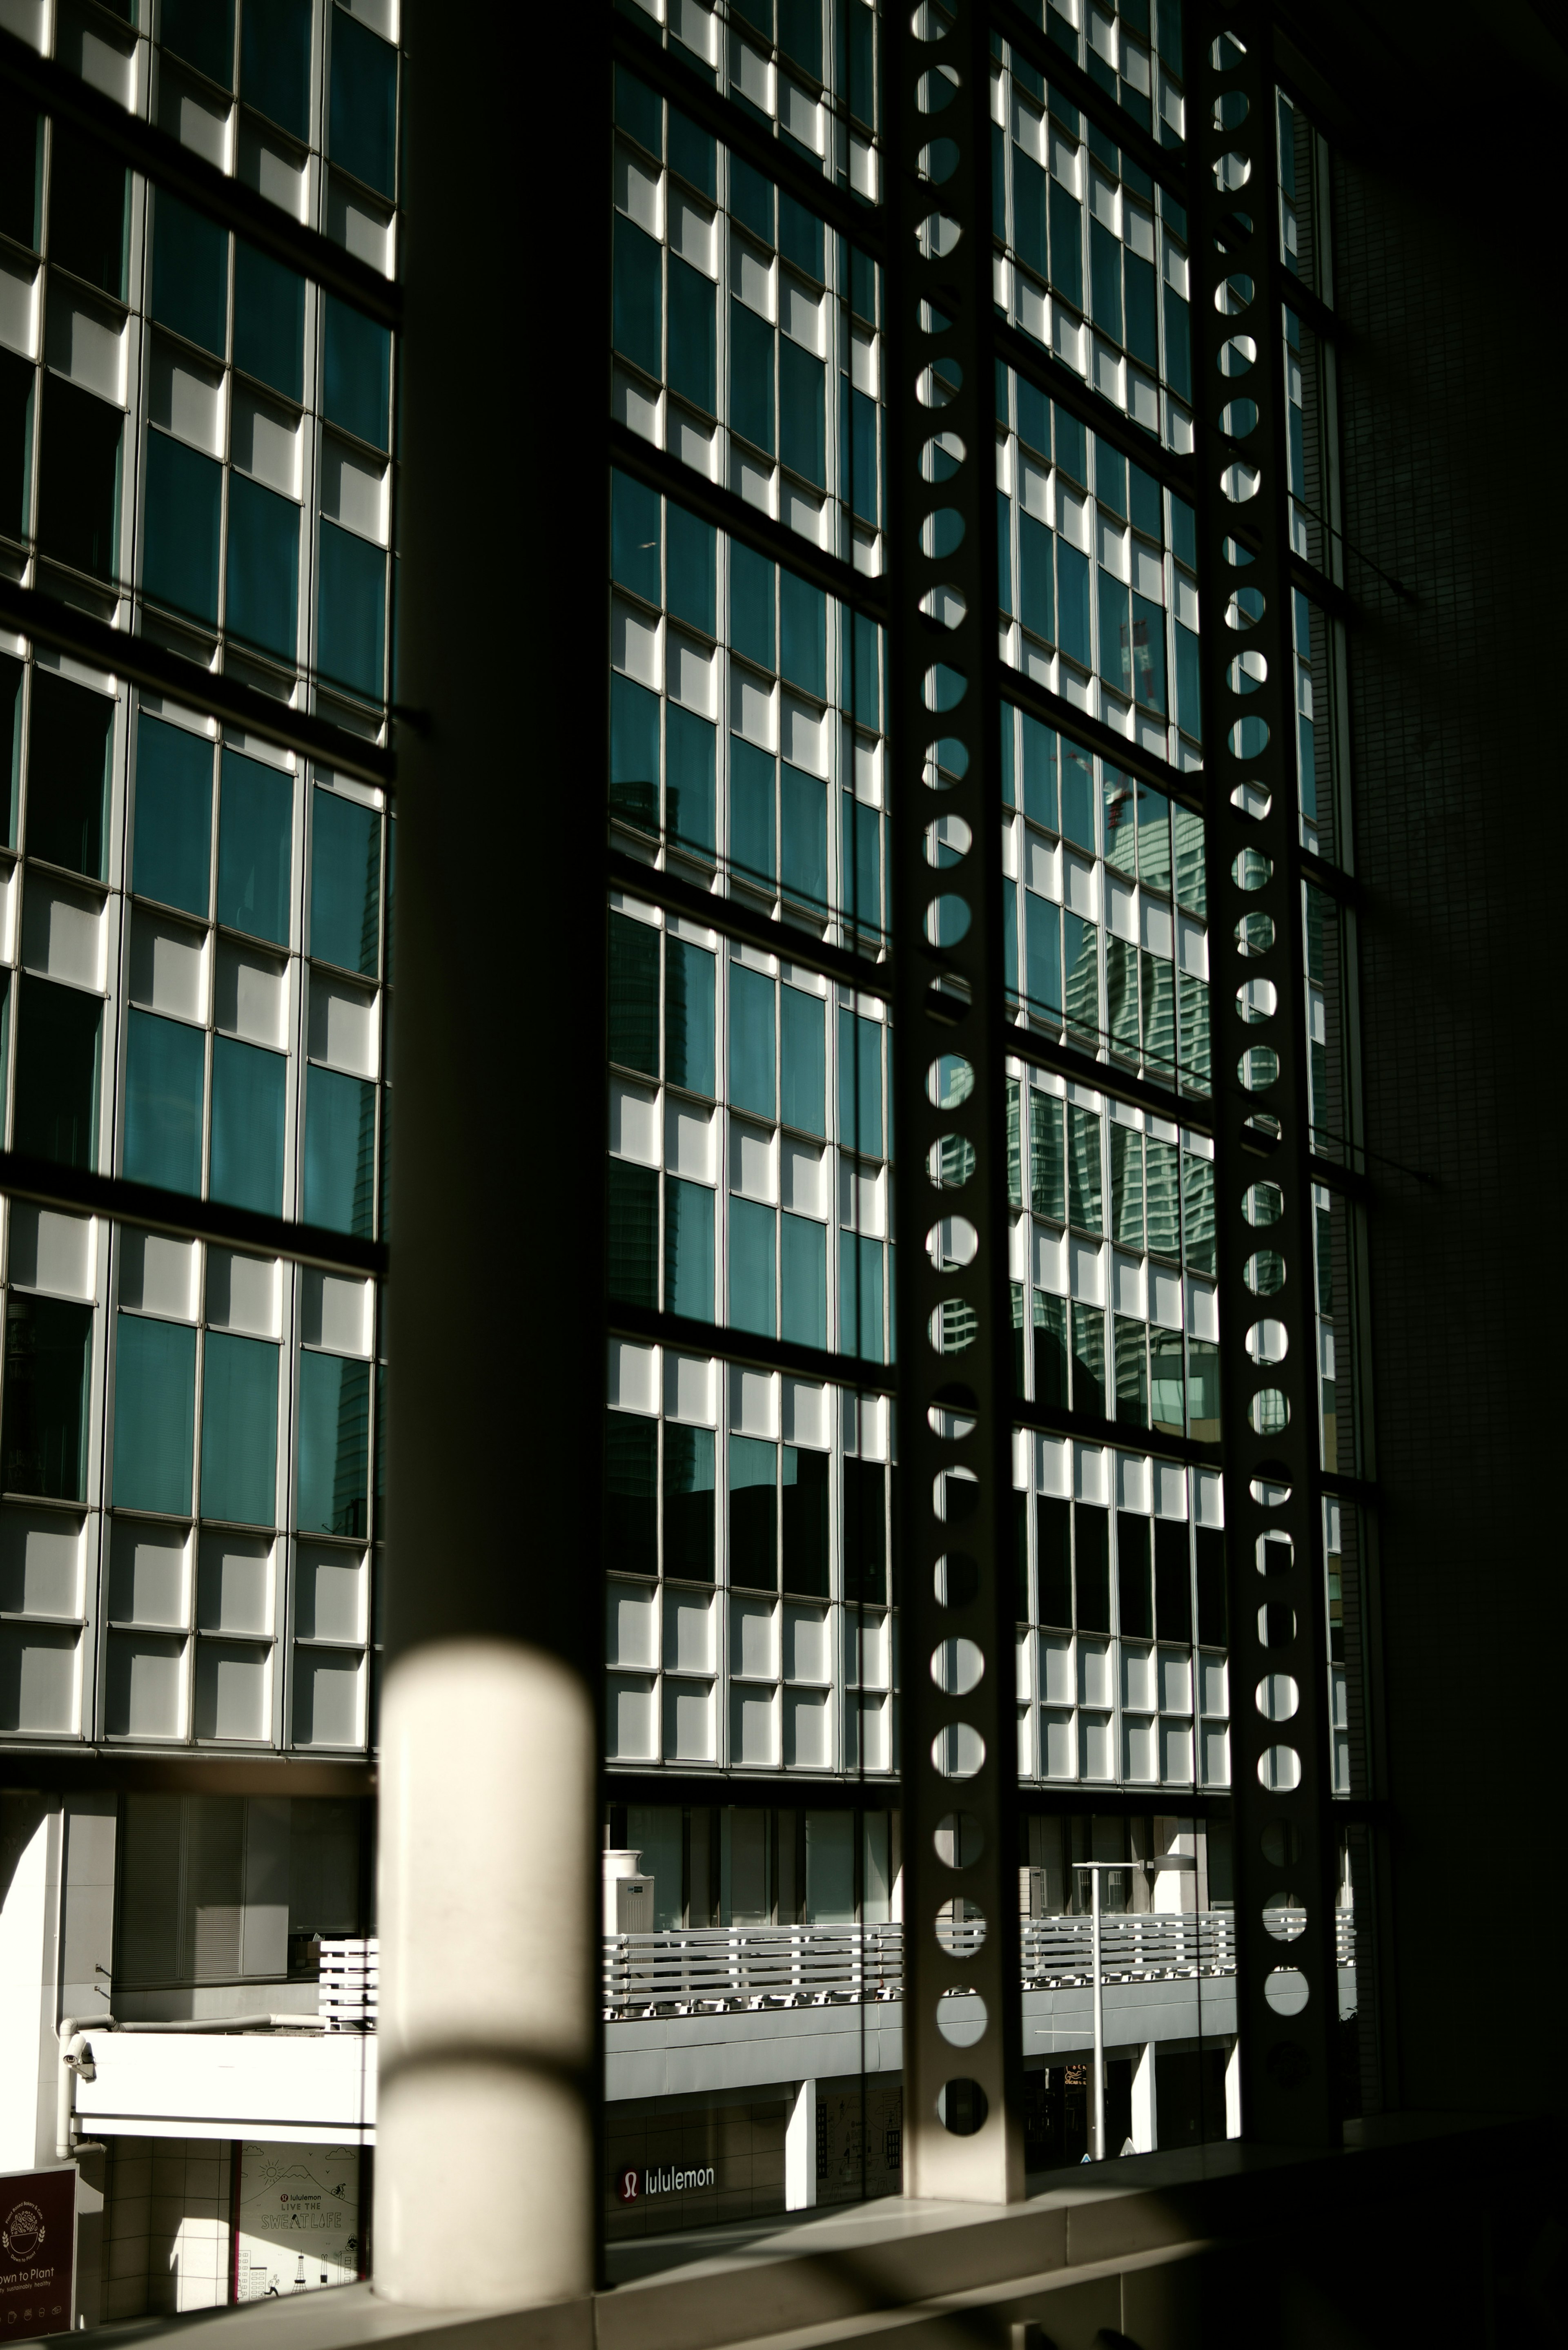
column 713, row 1969
column 349, row 1984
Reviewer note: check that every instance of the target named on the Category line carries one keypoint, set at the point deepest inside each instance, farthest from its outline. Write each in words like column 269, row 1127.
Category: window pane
column 78, row 491
column 689, row 1250
column 687, row 1501
column 751, row 1041
column 1081, row 993
column 21, row 169
column 634, row 753
column 1167, row 1383
column 351, row 614
column 688, row 974
column 262, row 575
column 692, row 153
column 634, row 535
column 179, row 544
column 339, row 1151
column 363, row 113
column 165, row 1080
column 803, row 635
column 88, row 223
column 269, row 320
column 249, row 1087
column 1091, row 1542
column 860, row 1297
column 1089, row 1360
column 1172, row 1580
column 1053, row 1558
column 634, row 994
column 632, row 1494
column 275, row 61
column 1043, row 954
column 633, row 1211
column 693, row 335
column 693, row 551
column 859, row 1083
column 67, row 774
column 690, row 751
column 1083, row 1170
column 334, row 1444
column 44, row 1432
column 190, row 273
column 751, row 1267
column 154, row 1414
column 754, row 1522
column 805, row 1522
column 57, row 1074
column 1132, row 1577
column 751, row 374
column 255, row 847
column 636, row 304
column 1037, row 600
column 1127, row 1186
column 15, row 444
column 1050, row 1348
column 803, row 1060
column 202, row 33
column 752, row 605
column 358, row 372
column 345, row 881
column 172, row 859
column 803, row 1280
column 239, row 1430
column 803, row 862
column 865, row 1532
column 1132, row 1372
column 1211, row 1563
column 750, row 809
column 1203, row 1389
column 803, row 409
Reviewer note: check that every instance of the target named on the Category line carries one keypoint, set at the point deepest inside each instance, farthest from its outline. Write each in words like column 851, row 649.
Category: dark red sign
column 38, row 2247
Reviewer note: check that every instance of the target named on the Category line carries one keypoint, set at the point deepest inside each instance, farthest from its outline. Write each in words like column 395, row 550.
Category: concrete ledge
column 1174, row 2236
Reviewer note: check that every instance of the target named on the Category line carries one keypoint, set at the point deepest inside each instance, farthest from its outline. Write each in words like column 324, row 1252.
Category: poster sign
column 37, row 2251
column 297, row 2222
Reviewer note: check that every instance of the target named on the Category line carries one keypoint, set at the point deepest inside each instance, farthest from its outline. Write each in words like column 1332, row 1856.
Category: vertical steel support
column 962, row 2085
column 1287, row 1988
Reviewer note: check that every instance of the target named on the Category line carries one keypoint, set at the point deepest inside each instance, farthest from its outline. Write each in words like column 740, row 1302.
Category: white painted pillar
column 1145, row 2102
column 799, row 2150
column 1233, row 2091
column 29, row 1913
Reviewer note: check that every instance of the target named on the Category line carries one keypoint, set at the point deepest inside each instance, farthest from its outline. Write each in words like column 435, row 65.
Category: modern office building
column 202, row 376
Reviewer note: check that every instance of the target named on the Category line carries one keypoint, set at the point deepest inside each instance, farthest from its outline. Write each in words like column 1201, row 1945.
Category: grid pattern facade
column 196, row 445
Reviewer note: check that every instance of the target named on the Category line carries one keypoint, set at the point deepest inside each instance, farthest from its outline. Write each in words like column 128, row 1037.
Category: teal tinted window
column 860, row 1297
column 190, row 273
column 631, row 1495
column 57, row 1074
column 358, row 372
column 803, row 1280
column 750, row 809
column 689, row 752
column 363, row 110
column 165, row 1077
column 803, row 836
column 688, row 1016
column 275, row 61
column 803, row 411
column 688, row 1501
column 269, row 320
column 751, row 376
column 239, row 1430
column 693, row 334
column 351, row 618
column 692, row 553
column 859, row 1084
column 751, row 1041
column 634, row 753
column 87, row 222
column 637, row 110
column 334, row 1444
column 248, row 1089
column 256, row 842
column 67, row 774
column 345, row 881
column 752, row 605
column 43, row 1432
column 171, row 856
column 202, row 33
column 636, row 307
column 803, row 1060
column 634, row 994
column 11, row 675
column 634, row 536
column 262, row 569
column 339, row 1151
column 21, row 169
column 754, row 1514
column 632, row 1212
column 154, row 1414
column 688, row 1249
column 751, row 1267
column 803, row 635
column 179, row 544
column 692, row 153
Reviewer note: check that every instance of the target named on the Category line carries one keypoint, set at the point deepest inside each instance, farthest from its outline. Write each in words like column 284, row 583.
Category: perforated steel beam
column 962, row 2135
column 1286, row 1989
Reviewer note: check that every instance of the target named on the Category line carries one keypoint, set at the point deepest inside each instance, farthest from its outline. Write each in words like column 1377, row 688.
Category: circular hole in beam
column 1285, row 1990
column 961, row 2018
column 961, row 2107
column 958, row 1751
column 960, row 1928
column 1280, row 1768
column 950, row 1163
column 959, row 1840
column 957, row 1579
column 1278, row 1696
column 958, row 1666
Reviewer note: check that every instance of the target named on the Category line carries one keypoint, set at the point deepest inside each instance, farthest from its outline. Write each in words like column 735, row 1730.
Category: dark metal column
column 1280, row 1761
column 962, row 2092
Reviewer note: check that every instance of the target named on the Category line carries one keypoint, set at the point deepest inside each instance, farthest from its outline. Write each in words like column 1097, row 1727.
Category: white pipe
column 301, row 2023
column 1099, row 2148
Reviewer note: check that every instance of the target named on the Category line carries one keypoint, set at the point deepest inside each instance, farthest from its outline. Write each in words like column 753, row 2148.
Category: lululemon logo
column 626, row 2186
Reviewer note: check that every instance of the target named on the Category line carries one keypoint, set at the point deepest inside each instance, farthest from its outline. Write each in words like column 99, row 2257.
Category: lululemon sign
column 37, row 2252
column 632, row 2185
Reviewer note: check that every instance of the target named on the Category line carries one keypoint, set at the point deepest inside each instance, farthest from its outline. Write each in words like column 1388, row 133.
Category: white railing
column 688, row 1971
column 346, row 1995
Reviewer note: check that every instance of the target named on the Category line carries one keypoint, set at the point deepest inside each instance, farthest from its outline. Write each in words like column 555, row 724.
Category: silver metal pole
column 1099, row 2144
